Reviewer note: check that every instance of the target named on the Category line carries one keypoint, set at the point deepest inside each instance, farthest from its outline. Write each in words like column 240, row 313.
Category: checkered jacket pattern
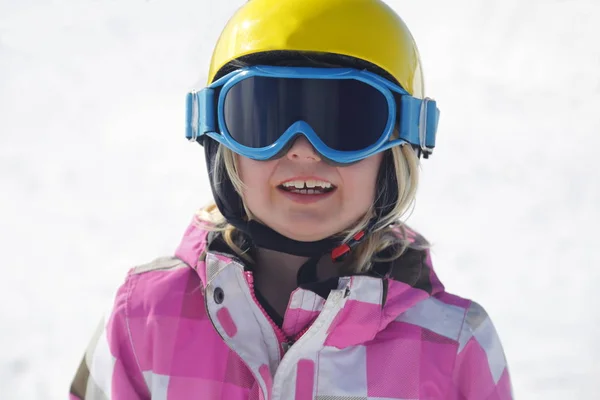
column 190, row 327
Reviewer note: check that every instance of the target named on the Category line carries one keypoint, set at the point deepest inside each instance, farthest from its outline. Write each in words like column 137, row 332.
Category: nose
column 303, row 151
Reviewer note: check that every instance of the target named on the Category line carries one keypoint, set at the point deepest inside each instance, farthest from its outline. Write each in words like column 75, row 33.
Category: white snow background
column 96, row 175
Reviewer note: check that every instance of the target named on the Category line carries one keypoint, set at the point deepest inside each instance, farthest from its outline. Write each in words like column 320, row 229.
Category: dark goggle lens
column 348, row 115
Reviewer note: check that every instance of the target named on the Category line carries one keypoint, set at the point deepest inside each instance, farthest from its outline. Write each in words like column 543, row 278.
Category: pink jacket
column 190, row 327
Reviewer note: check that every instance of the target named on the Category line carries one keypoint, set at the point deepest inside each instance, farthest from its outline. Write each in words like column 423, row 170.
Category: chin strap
column 307, row 273
column 342, row 251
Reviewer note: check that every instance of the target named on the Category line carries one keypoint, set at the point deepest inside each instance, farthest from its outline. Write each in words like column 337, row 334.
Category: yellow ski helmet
column 367, row 30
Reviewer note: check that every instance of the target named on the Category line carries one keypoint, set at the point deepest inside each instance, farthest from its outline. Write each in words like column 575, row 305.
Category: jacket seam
column 297, row 327
column 460, row 332
column 176, row 261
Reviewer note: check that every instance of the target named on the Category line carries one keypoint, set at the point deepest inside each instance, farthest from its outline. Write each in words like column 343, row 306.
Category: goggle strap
column 191, row 122
column 201, row 112
column 419, row 121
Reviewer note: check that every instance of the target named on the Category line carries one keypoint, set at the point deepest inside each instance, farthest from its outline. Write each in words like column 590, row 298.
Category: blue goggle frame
column 417, row 124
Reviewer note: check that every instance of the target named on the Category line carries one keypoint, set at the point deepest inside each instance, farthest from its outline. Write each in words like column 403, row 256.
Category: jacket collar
column 374, row 300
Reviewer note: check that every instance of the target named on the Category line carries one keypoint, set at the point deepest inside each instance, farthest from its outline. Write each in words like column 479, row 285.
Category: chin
column 307, row 238
column 306, row 235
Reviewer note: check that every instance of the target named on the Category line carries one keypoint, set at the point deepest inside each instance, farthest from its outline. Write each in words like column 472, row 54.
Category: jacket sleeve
column 109, row 369
column 480, row 371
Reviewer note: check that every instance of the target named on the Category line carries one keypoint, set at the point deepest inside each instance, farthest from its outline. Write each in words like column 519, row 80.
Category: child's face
column 308, row 217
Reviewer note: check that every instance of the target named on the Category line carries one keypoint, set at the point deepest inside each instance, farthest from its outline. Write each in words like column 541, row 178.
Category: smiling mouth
column 307, row 187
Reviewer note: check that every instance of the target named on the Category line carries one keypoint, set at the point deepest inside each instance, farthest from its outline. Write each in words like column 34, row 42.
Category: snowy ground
column 96, row 176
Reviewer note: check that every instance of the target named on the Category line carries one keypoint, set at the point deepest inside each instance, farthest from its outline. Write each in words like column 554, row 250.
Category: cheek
column 254, row 175
column 361, row 178
column 247, row 170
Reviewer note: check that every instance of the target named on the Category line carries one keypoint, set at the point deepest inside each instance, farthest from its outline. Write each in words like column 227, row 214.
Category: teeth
column 307, row 191
column 308, row 184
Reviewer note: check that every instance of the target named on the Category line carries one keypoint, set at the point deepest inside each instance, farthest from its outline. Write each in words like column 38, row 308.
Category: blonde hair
column 388, row 233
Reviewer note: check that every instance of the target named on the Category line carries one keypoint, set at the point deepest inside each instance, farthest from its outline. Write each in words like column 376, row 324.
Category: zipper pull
column 286, row 346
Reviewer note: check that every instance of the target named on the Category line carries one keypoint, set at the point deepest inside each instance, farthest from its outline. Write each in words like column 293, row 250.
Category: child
column 301, row 282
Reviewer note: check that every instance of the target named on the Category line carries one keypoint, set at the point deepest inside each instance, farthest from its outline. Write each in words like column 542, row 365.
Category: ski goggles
column 346, row 114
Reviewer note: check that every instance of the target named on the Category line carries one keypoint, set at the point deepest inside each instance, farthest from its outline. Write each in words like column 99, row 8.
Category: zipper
column 290, row 341
column 258, row 378
column 301, row 333
column 324, row 320
column 284, row 341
